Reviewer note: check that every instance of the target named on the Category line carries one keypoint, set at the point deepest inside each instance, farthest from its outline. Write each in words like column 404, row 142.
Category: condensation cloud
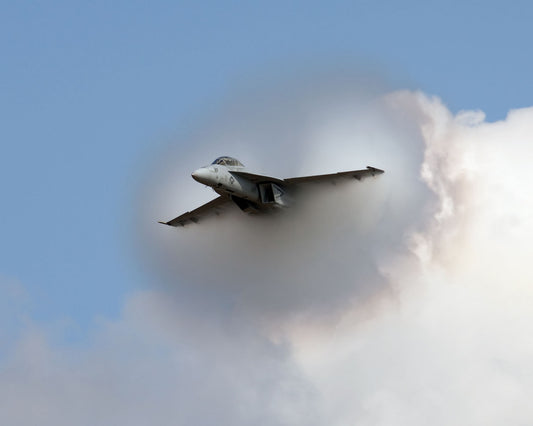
column 323, row 255
column 404, row 300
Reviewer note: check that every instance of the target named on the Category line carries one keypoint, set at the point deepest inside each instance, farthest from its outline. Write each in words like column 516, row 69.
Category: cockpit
column 228, row 161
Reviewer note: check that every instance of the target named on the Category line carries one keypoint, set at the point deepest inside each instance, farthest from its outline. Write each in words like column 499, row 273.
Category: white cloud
column 456, row 346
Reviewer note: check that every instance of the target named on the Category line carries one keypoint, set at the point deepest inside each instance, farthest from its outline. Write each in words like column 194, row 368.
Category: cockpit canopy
column 228, row 161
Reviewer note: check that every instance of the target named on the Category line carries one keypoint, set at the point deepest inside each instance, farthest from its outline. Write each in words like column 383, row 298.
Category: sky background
column 90, row 90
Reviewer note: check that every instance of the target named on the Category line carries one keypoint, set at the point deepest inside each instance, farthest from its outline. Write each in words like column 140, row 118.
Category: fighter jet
column 252, row 193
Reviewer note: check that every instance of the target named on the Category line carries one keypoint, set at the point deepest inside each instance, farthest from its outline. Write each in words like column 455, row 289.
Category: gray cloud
column 151, row 367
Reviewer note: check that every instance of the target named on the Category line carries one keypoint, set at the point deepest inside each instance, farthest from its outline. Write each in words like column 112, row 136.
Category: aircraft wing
column 213, row 207
column 356, row 174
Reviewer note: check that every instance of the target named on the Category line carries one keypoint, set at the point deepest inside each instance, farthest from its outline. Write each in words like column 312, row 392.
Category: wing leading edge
column 215, row 207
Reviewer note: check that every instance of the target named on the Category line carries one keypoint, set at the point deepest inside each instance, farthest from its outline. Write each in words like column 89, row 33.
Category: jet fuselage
column 223, row 182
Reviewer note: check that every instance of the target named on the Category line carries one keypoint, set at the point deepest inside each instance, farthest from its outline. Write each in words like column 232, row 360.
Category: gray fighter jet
column 252, row 193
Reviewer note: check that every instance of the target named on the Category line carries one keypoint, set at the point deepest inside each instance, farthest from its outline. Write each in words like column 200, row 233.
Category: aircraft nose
column 201, row 175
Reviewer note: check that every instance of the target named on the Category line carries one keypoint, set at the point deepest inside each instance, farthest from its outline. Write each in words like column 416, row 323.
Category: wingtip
column 375, row 170
column 162, row 223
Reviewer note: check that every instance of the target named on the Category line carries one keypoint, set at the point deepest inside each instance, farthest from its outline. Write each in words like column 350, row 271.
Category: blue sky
column 90, row 88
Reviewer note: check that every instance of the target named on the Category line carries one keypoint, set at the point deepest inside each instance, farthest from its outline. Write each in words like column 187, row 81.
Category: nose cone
column 201, row 175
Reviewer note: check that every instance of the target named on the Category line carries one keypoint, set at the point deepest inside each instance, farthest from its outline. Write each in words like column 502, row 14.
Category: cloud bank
column 400, row 300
